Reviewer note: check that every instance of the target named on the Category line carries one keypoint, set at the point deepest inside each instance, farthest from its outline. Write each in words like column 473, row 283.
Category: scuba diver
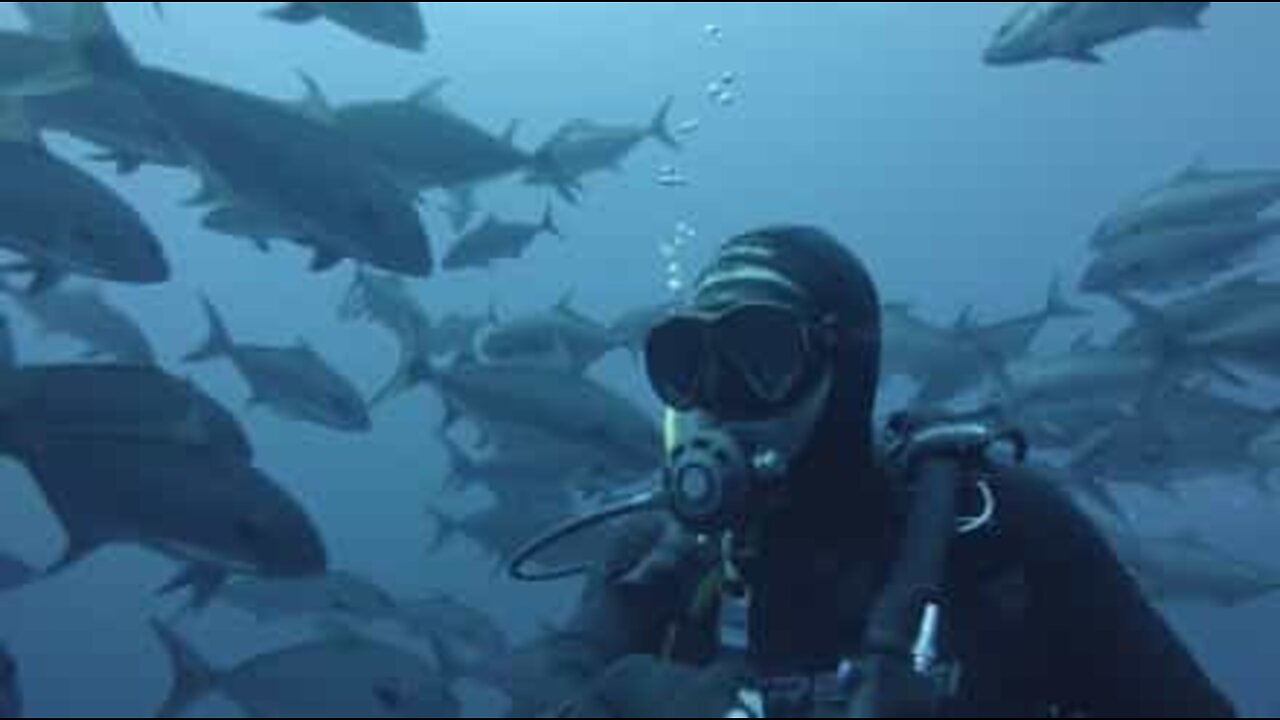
column 837, row 576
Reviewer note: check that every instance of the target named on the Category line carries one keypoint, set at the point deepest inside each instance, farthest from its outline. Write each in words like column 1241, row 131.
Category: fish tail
column 549, row 225
column 193, row 676
column 415, row 369
column 660, row 126
column 101, row 47
column 218, row 344
column 1058, row 306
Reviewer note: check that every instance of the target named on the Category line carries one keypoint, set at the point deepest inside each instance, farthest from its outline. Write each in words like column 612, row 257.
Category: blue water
column 959, row 185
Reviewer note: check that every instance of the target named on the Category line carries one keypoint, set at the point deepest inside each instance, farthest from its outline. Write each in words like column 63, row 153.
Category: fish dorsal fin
column 1083, row 343
column 429, row 95
column 315, row 104
column 1197, row 169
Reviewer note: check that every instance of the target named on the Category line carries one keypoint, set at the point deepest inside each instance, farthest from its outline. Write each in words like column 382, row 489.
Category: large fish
column 1180, row 258
column 1203, row 313
column 217, row 515
column 561, row 336
column 114, row 117
column 294, row 382
column 347, row 676
column 64, row 221
column 1196, row 196
column 333, row 594
column 85, row 315
column 425, row 144
column 496, row 240
column 582, row 148
column 398, row 24
column 1074, row 31
column 568, row 407
column 262, row 161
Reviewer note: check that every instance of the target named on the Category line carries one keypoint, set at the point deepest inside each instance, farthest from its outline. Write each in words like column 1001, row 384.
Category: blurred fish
column 504, row 528
column 398, row 24
column 420, row 140
column 333, row 594
column 461, row 208
column 10, row 687
column 15, row 573
column 294, row 382
column 457, row 333
column 343, row 677
column 31, row 66
column 465, row 636
column 216, row 514
column 1013, row 338
column 1178, row 435
column 944, row 363
column 386, row 301
column 1074, row 31
column 1201, row 313
column 568, row 407
column 85, row 315
column 64, row 221
column 261, row 161
column 582, row 148
column 128, row 404
column 1197, row 196
column 562, row 334
column 520, row 461
column 496, row 240
column 1250, row 338
column 114, row 117
column 1178, row 259
column 1186, row 569
column 1115, row 378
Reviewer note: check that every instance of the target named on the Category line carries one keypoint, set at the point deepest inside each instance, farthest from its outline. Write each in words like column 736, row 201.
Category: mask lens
column 675, row 357
column 767, row 346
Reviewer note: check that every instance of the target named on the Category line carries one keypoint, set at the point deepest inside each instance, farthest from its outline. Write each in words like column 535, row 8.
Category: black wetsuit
column 1043, row 619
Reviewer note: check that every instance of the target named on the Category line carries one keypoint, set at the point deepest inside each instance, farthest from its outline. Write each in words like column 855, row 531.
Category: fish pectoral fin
column 296, row 13
column 43, row 279
column 204, row 581
column 1086, row 56
column 325, row 260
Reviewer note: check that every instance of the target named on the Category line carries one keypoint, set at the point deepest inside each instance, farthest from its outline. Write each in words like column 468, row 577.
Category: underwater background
column 960, row 184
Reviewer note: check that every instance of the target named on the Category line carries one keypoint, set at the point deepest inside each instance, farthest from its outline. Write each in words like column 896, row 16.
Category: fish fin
column 219, row 343
column 428, row 96
column 660, row 126
column 296, row 13
column 451, row 665
column 446, row 529
column 79, row 546
column 509, row 133
column 315, row 103
column 325, row 260
column 415, row 369
column 1086, row 56
column 964, row 322
column 126, row 163
column 204, row 581
column 43, row 279
column 549, row 225
column 193, row 676
column 1057, row 306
